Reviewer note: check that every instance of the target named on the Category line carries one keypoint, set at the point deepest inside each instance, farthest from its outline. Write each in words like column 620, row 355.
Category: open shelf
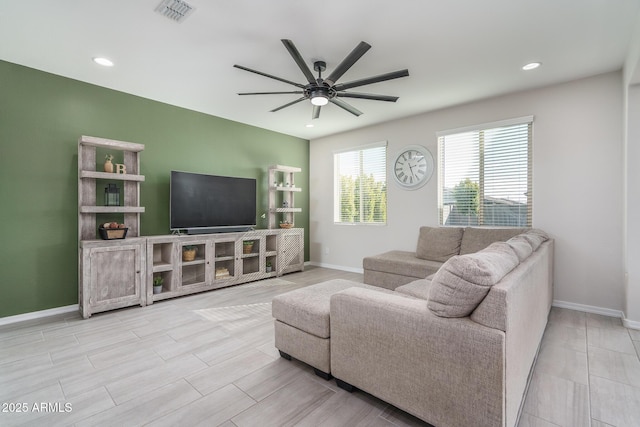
column 278, row 188
column 111, row 176
column 282, row 189
column 162, row 257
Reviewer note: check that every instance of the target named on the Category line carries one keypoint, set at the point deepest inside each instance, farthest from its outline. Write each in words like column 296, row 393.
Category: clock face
column 413, row 167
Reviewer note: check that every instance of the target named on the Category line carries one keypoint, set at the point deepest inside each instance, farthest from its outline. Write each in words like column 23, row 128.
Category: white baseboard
column 38, row 314
column 631, row 324
column 337, row 267
column 588, row 308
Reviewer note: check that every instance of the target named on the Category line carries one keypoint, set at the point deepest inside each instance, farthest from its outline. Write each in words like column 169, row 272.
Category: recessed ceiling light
column 531, row 66
column 309, row 125
column 103, row 61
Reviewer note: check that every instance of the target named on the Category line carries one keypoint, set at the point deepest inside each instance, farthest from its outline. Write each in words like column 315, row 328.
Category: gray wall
column 577, row 181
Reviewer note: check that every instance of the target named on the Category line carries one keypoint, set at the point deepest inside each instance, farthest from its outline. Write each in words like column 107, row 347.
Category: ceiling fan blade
column 367, row 96
column 370, row 80
column 288, row 105
column 347, row 63
column 353, row 110
column 298, row 92
column 316, row 112
column 298, row 58
column 269, row 75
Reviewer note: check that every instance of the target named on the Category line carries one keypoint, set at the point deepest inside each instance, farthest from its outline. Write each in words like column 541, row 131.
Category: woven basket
column 112, row 233
column 286, row 225
column 188, row 254
column 246, row 249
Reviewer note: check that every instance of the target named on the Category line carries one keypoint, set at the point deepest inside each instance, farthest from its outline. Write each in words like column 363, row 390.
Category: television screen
column 209, row 203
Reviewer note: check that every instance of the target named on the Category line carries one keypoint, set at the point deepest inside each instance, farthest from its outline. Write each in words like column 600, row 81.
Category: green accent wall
column 41, row 117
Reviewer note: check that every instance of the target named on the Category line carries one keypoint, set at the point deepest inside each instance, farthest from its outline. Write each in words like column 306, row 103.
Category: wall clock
column 413, row 167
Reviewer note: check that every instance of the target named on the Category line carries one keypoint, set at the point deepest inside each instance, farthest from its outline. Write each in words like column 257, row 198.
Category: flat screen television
column 201, row 203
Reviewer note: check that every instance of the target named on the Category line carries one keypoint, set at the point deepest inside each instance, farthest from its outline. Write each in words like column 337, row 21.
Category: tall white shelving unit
column 282, row 182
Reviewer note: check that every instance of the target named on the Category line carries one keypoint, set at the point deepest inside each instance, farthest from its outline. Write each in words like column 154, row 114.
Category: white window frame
column 481, row 128
column 336, row 184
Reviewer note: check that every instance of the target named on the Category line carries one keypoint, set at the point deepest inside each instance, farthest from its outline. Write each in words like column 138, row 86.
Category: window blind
column 360, row 185
column 485, row 175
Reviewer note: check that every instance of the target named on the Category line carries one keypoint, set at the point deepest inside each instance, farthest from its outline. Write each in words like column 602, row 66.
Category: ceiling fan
column 322, row 91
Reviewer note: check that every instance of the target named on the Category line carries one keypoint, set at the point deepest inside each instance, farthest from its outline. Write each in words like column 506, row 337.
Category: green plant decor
column 189, row 248
column 158, row 280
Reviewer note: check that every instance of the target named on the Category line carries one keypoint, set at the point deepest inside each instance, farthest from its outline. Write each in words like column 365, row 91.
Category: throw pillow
column 463, row 281
column 439, row 243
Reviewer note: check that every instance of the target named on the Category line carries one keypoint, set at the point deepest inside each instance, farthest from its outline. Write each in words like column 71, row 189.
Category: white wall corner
column 631, row 324
column 631, row 69
column 38, row 314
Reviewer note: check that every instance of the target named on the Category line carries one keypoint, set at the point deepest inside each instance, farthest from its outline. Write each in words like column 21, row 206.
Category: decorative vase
column 108, row 166
column 157, row 289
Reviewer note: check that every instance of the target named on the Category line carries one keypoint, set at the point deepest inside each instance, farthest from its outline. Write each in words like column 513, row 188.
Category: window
column 485, row 175
column 360, row 185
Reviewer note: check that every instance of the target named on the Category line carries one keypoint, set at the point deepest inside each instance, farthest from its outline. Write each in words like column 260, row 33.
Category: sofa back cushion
column 439, row 243
column 535, row 237
column 520, row 246
column 463, row 281
column 476, row 239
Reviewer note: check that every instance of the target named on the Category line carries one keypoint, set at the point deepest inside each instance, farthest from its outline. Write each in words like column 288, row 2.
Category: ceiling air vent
column 176, row 10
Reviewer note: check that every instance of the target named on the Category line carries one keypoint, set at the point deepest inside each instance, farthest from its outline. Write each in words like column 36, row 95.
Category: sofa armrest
column 448, row 372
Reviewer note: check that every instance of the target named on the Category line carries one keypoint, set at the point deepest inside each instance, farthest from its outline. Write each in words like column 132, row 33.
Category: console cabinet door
column 290, row 251
column 112, row 278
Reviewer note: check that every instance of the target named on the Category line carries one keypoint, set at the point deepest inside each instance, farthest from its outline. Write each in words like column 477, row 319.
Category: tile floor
column 209, row 359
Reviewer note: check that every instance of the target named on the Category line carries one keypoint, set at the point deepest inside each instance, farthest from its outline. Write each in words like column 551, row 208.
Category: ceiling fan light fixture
column 319, row 100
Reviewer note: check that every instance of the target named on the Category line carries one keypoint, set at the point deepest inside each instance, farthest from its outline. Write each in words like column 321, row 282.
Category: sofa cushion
column 403, row 263
column 476, row 239
column 535, row 237
column 307, row 308
column 417, row 288
column 439, row 244
column 520, row 246
column 463, row 281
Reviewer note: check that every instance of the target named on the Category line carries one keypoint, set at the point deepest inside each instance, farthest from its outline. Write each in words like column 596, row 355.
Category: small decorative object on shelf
column 108, row 166
column 189, row 253
column 157, row 284
column 285, row 204
column 268, row 267
column 111, row 195
column 247, row 246
column 121, row 169
column 112, row 231
column 285, row 224
column 222, row 273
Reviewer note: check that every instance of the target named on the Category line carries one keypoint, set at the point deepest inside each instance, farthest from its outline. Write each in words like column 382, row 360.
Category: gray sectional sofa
column 455, row 349
column 435, row 246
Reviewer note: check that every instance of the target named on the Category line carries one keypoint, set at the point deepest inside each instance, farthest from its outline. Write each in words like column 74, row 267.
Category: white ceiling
column 456, row 51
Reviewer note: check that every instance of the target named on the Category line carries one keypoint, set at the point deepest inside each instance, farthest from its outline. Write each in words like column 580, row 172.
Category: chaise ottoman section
column 396, row 268
column 302, row 325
